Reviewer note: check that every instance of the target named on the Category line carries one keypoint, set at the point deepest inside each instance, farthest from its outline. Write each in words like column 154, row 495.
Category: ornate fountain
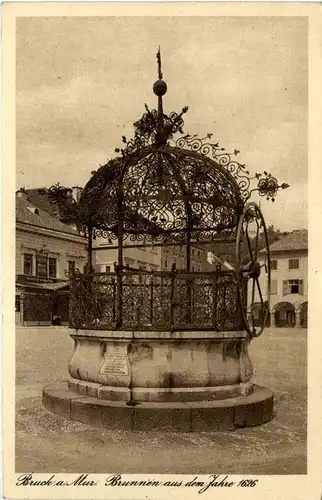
column 168, row 349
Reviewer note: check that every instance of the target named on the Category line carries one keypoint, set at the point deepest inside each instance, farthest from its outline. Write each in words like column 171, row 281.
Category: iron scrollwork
column 267, row 185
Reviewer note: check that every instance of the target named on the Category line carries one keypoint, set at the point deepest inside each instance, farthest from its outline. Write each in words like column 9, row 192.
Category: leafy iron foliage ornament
column 63, row 197
column 147, row 133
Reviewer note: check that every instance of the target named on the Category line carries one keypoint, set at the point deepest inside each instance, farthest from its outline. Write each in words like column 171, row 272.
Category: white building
column 289, row 280
column 144, row 258
column 46, row 250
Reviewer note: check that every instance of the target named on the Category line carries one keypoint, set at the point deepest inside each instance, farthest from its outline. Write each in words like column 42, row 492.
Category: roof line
column 77, row 235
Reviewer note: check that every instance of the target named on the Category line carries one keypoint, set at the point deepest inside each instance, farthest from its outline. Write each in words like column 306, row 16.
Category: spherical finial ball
column 160, row 88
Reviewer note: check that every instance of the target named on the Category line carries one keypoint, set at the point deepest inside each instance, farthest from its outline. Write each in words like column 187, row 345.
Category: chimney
column 77, row 191
column 21, row 193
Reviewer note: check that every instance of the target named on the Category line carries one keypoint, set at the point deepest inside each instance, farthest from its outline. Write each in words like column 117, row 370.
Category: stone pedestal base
column 144, row 394
column 191, row 416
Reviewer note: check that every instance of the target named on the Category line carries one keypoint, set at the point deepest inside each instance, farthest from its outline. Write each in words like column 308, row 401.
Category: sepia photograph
column 161, row 247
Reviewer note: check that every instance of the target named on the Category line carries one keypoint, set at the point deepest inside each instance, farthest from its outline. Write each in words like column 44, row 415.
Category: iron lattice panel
column 156, row 301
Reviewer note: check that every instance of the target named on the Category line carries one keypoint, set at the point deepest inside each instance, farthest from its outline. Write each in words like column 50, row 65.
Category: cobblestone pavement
column 47, row 443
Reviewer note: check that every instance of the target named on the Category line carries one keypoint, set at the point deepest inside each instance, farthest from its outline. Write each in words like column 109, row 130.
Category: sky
column 81, row 82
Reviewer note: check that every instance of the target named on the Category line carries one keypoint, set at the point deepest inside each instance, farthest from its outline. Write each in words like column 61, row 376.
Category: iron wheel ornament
column 251, row 239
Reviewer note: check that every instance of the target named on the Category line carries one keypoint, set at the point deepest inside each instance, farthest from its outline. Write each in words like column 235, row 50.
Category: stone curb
column 223, row 415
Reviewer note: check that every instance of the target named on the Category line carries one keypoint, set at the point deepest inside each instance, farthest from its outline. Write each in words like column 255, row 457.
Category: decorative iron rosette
column 268, row 186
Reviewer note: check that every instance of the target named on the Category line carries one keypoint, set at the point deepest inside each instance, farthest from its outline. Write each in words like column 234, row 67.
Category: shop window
column 28, row 264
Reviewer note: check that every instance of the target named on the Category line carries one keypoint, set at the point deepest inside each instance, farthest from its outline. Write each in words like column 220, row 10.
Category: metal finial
column 160, row 87
column 159, row 64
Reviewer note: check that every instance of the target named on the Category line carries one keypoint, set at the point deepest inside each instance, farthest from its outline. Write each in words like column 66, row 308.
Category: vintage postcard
column 161, row 250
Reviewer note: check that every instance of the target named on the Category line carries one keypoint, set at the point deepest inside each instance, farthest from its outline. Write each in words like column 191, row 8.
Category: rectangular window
column 274, row 287
column 293, row 287
column 166, row 263
column 273, row 265
column 293, row 264
column 71, row 267
column 52, row 265
column 41, row 266
column 28, row 264
column 154, row 249
column 107, row 269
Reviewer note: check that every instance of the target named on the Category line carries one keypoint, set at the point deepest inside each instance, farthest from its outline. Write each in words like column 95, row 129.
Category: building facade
column 144, row 258
column 175, row 254
column 46, row 252
column 289, row 280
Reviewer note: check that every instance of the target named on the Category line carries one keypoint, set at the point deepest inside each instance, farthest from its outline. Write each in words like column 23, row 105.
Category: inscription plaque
column 115, row 363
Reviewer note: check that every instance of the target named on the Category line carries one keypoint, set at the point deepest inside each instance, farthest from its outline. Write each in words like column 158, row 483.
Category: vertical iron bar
column 151, row 301
column 188, row 259
column 172, row 296
column 114, row 300
column 119, row 272
column 139, row 305
column 224, row 305
column 188, row 249
column 90, row 249
column 214, row 303
column 89, row 298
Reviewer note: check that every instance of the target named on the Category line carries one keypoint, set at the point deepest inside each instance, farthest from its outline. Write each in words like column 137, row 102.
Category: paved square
column 47, row 443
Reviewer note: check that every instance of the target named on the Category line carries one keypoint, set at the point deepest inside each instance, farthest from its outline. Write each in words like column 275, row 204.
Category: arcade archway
column 285, row 315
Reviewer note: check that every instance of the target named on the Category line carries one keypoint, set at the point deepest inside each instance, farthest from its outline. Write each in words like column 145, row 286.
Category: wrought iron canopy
column 161, row 192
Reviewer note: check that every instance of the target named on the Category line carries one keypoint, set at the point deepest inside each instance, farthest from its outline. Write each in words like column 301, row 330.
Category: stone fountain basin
column 160, row 366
